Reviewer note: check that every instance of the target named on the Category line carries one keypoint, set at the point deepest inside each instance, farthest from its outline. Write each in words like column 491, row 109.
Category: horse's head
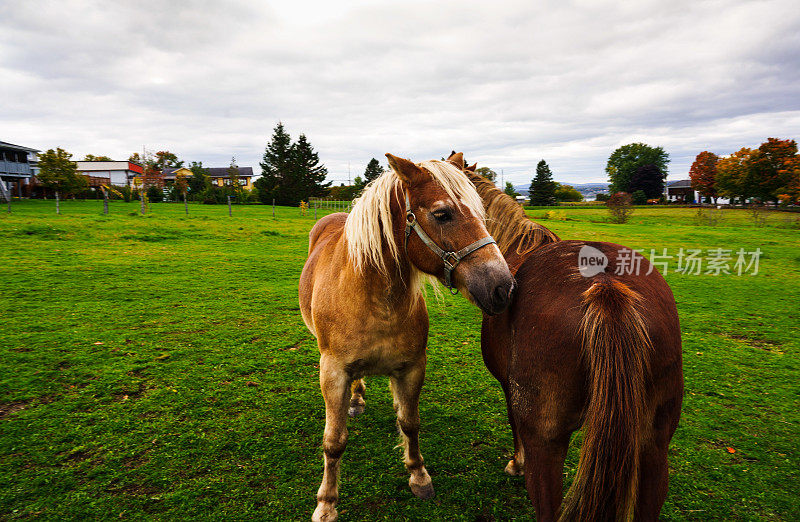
column 445, row 235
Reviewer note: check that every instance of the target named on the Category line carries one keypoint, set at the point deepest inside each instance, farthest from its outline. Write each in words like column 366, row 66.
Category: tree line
column 770, row 172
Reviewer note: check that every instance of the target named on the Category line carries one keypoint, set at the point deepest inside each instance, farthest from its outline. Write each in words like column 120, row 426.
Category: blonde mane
column 507, row 222
column 369, row 225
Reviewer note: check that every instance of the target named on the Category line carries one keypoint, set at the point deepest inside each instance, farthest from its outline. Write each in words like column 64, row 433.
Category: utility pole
column 348, row 173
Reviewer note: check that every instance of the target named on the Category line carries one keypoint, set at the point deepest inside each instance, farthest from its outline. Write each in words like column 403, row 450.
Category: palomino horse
column 598, row 347
column 361, row 296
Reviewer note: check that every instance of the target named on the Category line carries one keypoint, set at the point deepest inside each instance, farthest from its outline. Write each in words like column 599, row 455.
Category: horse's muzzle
column 492, row 290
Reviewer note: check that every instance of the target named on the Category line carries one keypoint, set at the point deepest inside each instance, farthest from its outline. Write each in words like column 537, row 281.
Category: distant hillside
column 588, row 190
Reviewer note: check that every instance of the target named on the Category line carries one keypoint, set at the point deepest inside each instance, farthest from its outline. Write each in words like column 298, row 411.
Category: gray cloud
column 508, row 83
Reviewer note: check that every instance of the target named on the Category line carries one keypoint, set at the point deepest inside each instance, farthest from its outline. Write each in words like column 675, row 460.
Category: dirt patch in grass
column 131, row 395
column 10, row 408
column 764, row 344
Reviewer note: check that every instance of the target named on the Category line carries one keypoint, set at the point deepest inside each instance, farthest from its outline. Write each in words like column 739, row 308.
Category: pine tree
column 509, row 190
column 543, row 188
column 307, row 171
column 275, row 181
column 236, row 190
column 374, row 169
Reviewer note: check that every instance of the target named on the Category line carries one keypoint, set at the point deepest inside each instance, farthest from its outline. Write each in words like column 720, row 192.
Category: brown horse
column 584, row 345
column 360, row 295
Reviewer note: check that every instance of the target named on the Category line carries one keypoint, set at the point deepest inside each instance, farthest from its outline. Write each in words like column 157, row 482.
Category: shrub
column 619, row 206
column 639, row 197
column 601, row 197
column 559, row 215
column 214, row 195
column 125, row 190
column 155, row 194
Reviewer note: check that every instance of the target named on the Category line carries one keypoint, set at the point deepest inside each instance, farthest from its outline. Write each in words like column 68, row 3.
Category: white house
column 110, row 172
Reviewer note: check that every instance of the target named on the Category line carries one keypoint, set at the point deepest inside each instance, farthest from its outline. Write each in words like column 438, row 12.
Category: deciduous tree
column 59, row 173
column 487, row 173
column 623, row 163
column 648, row 179
column 771, row 168
column 166, row 159
column 734, row 175
column 703, row 174
column 199, row 181
column 92, row 157
column 567, row 193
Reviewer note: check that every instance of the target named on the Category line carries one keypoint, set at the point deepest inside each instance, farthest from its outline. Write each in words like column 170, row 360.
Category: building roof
column 87, row 166
column 681, row 183
column 215, row 172
column 6, row 145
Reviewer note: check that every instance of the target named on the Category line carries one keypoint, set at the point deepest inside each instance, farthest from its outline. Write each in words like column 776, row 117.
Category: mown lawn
column 158, row 367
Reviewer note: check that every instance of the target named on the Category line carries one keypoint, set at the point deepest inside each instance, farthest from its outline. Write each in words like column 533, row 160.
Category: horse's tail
column 616, row 348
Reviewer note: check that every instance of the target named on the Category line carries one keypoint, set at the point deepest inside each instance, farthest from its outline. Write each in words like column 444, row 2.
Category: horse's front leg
column 515, row 466
column 406, row 387
column 334, row 382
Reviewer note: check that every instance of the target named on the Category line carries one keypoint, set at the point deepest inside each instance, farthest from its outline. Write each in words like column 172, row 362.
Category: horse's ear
column 457, row 159
column 473, row 167
column 406, row 169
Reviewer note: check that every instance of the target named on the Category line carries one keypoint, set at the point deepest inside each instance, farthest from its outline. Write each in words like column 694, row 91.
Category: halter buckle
column 450, row 260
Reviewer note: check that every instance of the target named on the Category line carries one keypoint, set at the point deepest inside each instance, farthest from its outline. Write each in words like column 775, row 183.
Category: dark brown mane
column 507, row 221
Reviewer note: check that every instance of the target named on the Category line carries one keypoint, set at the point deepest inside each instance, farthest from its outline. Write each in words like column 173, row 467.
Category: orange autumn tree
column 703, row 174
column 773, row 168
column 791, row 191
column 734, row 175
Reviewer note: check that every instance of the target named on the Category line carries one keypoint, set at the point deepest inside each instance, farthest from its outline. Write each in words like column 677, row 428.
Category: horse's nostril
column 501, row 293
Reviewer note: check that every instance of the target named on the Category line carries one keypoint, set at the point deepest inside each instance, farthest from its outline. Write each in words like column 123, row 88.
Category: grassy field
column 158, row 367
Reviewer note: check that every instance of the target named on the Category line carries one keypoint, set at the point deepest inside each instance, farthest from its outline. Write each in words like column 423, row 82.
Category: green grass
column 158, row 367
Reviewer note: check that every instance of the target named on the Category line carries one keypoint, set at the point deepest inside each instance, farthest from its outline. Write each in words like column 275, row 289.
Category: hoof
column 325, row 512
column 513, row 470
column 355, row 411
column 424, row 492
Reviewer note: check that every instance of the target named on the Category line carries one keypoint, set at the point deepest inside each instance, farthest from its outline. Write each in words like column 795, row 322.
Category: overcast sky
column 508, row 83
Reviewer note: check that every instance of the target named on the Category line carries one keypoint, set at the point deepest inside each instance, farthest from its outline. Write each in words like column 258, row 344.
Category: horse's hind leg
column 334, row 383
column 653, row 466
column 406, row 388
column 544, row 466
column 357, row 404
column 653, row 477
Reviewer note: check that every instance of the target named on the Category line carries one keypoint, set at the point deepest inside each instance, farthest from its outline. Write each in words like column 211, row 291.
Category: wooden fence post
column 105, row 201
column 229, row 207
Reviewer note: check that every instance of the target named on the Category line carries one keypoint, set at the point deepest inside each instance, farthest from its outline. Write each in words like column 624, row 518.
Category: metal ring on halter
column 450, row 259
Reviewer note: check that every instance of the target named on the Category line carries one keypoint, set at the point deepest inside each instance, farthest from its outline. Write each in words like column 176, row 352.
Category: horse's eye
column 443, row 215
